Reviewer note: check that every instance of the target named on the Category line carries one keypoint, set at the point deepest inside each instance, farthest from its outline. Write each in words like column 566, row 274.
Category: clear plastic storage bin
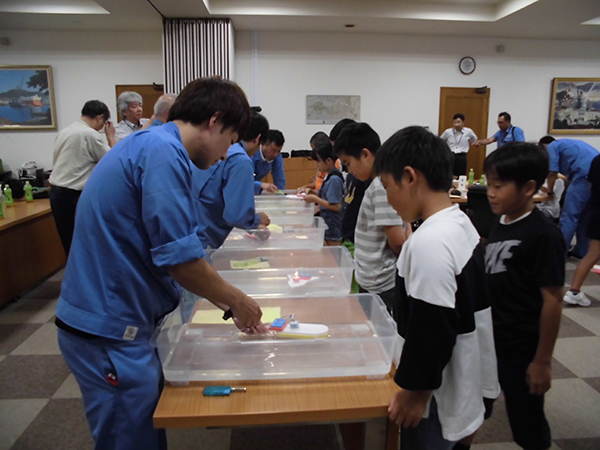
column 284, row 272
column 360, row 342
column 284, row 233
column 281, row 201
column 301, row 212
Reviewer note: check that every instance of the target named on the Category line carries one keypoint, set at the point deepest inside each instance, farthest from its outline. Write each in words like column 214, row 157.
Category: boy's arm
column 395, row 237
column 312, row 198
column 539, row 372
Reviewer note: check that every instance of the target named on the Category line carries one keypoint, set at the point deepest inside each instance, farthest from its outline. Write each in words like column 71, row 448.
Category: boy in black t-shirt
column 525, row 274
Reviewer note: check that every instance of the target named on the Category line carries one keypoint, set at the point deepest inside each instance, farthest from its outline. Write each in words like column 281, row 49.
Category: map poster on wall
column 329, row 109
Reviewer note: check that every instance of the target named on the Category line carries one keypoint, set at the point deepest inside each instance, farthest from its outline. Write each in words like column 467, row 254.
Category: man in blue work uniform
column 573, row 159
column 269, row 159
column 225, row 191
column 506, row 133
column 135, row 242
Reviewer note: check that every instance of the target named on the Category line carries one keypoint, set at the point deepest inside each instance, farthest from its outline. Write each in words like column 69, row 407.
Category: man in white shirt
column 459, row 138
column 77, row 150
column 129, row 105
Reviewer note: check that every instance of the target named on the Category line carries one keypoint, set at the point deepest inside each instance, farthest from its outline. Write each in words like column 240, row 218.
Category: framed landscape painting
column 575, row 106
column 27, row 98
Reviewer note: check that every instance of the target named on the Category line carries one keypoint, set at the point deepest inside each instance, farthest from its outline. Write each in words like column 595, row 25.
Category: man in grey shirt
column 77, row 150
column 129, row 105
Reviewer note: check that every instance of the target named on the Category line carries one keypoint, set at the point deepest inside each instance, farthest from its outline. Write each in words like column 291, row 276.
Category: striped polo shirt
column 375, row 260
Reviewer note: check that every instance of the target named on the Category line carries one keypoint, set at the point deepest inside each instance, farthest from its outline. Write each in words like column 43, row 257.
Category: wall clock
column 467, row 65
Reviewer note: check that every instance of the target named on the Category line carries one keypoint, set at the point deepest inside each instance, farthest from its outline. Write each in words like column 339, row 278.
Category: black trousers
column 460, row 164
column 64, row 203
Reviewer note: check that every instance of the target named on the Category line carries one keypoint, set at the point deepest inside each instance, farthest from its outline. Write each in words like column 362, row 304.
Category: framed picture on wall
column 27, row 98
column 575, row 106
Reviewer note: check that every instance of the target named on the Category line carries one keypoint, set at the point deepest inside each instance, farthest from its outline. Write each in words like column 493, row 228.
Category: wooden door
column 149, row 92
column 473, row 103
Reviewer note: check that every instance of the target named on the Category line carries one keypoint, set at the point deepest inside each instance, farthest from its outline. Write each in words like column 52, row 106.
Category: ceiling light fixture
column 350, row 25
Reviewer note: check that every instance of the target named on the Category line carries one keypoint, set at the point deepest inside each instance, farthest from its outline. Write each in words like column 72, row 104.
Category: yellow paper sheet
column 215, row 316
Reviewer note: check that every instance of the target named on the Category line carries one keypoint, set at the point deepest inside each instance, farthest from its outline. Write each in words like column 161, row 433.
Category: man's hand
column 311, row 198
column 478, row 142
column 539, row 378
column 407, row 407
column 109, row 130
column 264, row 219
column 246, row 312
column 269, row 187
column 259, row 329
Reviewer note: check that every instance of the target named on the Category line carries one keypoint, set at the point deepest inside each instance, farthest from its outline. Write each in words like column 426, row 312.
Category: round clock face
column 467, row 65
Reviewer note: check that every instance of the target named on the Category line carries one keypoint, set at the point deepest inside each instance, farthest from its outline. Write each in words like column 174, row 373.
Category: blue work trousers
column 120, row 417
column 572, row 217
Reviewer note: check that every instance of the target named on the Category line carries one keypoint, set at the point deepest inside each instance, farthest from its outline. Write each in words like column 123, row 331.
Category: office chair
column 479, row 210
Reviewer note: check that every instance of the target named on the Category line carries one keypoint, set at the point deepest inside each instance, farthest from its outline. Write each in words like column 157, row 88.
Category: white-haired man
column 161, row 110
column 129, row 105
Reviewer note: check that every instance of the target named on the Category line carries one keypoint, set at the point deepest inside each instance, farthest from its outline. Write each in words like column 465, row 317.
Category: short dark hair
column 325, row 151
column 505, row 115
column 203, row 98
column 94, row 108
column 276, row 137
column 259, row 125
column 546, row 140
column 354, row 138
column 459, row 116
column 420, row 149
column 518, row 162
column 338, row 127
column 318, row 138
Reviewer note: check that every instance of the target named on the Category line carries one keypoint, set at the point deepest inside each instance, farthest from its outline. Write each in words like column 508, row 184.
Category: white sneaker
column 577, row 299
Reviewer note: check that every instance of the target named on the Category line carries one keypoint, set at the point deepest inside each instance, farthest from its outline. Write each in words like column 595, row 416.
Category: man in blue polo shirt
column 573, row 159
column 506, row 133
column 225, row 191
column 135, row 243
column 269, row 159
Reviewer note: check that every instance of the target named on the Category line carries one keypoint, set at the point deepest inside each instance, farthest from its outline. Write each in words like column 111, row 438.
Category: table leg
column 392, row 436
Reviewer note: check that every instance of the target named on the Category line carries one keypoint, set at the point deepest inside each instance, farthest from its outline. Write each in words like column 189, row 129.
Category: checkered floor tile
column 40, row 402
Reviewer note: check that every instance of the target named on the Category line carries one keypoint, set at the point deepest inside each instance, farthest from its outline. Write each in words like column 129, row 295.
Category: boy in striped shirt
column 379, row 232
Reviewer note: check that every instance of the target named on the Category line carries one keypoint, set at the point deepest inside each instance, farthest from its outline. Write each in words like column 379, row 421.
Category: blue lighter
column 220, row 391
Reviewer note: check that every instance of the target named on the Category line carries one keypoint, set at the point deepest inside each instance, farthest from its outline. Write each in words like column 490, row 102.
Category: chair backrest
column 481, row 212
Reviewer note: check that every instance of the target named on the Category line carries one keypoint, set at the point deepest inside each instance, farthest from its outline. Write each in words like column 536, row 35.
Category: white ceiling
column 546, row 19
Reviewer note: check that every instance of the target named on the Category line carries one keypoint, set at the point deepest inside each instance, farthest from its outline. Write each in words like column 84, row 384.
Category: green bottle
column 8, row 196
column 28, row 192
column 482, row 180
column 471, row 177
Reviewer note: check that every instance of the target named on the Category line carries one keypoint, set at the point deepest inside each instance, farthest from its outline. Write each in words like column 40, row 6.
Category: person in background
column 161, row 110
column 129, row 105
column 269, row 159
column 506, row 133
column 77, row 150
column 459, row 138
column 329, row 196
column 379, row 233
column 225, row 191
column 447, row 363
column 551, row 208
column 317, row 139
column 525, row 275
column 135, row 246
column 573, row 159
column 574, row 295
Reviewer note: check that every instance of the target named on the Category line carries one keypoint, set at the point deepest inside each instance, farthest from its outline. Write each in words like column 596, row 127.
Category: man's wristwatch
column 227, row 314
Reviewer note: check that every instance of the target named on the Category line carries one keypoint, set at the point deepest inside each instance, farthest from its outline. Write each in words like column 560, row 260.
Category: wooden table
column 272, row 402
column 30, row 247
column 536, row 198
